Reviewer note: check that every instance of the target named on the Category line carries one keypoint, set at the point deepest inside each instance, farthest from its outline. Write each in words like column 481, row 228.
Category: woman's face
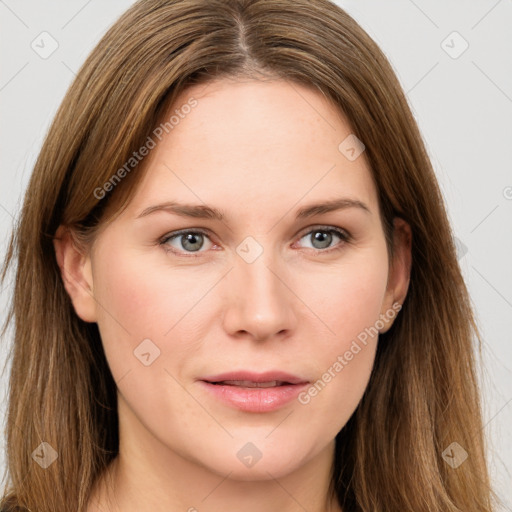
column 265, row 293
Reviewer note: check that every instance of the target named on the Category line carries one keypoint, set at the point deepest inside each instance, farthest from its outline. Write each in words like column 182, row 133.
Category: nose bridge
column 259, row 302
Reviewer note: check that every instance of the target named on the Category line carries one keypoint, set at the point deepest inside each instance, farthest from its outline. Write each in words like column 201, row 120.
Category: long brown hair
column 423, row 393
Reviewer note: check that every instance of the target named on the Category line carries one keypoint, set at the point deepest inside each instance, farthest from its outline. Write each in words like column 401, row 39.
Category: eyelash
column 342, row 234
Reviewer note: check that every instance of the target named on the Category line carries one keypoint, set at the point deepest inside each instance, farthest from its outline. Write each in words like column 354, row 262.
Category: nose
column 259, row 303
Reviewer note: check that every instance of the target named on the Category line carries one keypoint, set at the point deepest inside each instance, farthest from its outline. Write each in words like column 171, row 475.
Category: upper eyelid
column 324, row 227
column 179, row 232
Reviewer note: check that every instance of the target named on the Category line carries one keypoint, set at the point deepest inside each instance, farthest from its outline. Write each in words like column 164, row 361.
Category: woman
column 237, row 285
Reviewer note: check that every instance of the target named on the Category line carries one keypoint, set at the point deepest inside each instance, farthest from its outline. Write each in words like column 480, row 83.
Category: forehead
column 253, row 142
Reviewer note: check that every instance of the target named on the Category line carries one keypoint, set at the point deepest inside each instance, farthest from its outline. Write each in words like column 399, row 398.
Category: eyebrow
column 200, row 211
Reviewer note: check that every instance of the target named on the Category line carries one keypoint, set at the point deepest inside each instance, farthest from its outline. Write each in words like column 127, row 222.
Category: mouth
column 252, row 392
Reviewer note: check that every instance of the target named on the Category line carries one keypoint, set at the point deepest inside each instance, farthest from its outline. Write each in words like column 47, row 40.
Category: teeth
column 251, row 384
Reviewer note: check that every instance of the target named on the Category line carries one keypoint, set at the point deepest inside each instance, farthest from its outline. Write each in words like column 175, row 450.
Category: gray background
column 461, row 100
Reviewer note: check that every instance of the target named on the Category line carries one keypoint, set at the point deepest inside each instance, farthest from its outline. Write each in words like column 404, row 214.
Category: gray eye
column 191, row 241
column 322, row 238
column 188, row 241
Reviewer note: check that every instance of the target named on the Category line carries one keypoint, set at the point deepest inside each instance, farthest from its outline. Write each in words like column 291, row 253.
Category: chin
column 261, row 471
column 259, row 459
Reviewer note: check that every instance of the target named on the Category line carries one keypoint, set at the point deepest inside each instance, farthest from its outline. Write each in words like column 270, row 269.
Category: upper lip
column 243, row 375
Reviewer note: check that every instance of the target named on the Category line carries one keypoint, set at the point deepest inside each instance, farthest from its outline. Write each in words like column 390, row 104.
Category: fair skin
column 259, row 152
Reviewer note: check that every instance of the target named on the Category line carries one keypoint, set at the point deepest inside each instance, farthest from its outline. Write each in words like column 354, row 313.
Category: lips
column 254, row 392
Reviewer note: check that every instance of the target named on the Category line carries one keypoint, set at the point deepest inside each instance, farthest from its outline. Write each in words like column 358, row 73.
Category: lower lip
column 255, row 399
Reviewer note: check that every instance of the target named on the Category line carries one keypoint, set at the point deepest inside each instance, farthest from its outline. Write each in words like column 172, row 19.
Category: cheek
column 350, row 297
column 349, row 303
column 125, row 296
column 134, row 304
column 138, row 299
